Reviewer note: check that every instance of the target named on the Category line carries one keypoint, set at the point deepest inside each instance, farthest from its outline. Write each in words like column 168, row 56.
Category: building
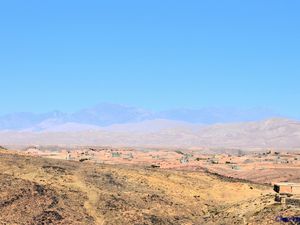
column 287, row 188
column 115, row 154
column 235, row 167
column 288, row 193
column 68, row 157
column 128, row 156
column 184, row 160
column 214, row 161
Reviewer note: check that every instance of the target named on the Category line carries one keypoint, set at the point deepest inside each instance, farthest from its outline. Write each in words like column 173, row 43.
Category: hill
column 36, row 190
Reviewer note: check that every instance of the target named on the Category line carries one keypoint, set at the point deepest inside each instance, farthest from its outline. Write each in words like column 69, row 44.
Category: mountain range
column 282, row 134
column 117, row 125
column 106, row 114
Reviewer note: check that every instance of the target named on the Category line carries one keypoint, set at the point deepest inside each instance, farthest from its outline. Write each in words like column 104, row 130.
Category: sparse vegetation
column 68, row 192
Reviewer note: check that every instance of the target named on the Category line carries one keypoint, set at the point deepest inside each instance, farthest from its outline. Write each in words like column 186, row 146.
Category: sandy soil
column 35, row 190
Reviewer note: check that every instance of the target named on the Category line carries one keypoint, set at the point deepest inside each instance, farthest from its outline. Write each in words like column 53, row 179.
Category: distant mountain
column 113, row 114
column 61, row 127
column 107, row 114
column 19, row 121
column 281, row 134
column 150, row 126
column 217, row 115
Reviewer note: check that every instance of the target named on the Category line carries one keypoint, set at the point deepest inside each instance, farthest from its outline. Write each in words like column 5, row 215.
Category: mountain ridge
column 107, row 114
column 279, row 133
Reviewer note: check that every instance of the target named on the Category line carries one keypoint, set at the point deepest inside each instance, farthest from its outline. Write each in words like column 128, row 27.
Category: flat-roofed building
column 287, row 188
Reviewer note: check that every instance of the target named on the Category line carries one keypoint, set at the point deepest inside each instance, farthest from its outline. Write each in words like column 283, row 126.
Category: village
column 265, row 167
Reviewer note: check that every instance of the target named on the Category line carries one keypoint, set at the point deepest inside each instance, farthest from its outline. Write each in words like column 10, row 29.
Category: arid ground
column 35, row 190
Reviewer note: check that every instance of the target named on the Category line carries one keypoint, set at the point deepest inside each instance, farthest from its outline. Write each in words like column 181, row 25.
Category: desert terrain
column 42, row 188
column 264, row 167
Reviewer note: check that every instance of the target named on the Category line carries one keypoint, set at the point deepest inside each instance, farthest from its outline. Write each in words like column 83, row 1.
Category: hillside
column 35, row 190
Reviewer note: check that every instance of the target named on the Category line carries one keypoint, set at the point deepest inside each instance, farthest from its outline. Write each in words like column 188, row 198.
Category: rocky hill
column 35, row 190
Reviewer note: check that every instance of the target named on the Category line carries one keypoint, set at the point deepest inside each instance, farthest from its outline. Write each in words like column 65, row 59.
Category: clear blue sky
column 68, row 55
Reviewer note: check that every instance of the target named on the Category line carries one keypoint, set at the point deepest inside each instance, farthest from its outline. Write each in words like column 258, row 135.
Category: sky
column 67, row 55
